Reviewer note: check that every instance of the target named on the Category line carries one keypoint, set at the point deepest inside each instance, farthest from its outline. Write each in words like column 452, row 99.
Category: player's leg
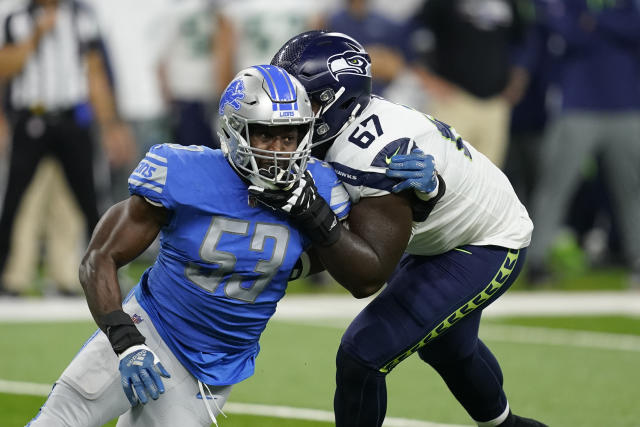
column 181, row 404
column 22, row 263
column 464, row 362
column 424, row 298
column 29, row 144
column 360, row 398
column 621, row 153
column 380, row 332
column 64, row 234
column 469, row 369
column 89, row 392
column 75, row 151
column 566, row 146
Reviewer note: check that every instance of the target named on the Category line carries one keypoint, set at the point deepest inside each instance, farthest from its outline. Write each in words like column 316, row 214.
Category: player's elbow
column 364, row 290
column 86, row 269
column 90, row 266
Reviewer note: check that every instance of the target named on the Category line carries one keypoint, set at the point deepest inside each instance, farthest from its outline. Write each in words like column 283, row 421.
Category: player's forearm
column 98, row 275
column 100, row 93
column 99, row 279
column 366, row 254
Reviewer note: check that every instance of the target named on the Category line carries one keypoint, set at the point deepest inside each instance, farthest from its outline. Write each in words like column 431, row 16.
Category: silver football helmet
column 265, row 95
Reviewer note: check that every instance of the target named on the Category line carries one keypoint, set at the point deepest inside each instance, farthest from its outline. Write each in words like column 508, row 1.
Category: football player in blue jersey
column 418, row 188
column 189, row 330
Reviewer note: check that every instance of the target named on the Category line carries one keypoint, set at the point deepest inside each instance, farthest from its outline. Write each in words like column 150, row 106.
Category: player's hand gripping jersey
column 479, row 206
column 223, row 263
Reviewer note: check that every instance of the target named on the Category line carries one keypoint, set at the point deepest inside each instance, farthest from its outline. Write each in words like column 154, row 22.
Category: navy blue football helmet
column 336, row 72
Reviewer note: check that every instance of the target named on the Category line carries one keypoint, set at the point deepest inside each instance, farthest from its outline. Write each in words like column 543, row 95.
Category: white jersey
column 191, row 68
column 479, row 206
column 261, row 27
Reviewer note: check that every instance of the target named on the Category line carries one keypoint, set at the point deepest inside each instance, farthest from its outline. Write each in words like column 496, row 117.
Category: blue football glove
column 416, row 170
column 140, row 370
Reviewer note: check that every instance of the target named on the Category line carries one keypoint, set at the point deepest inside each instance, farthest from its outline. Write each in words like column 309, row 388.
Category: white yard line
column 23, row 387
column 524, row 335
column 35, row 389
column 560, row 337
column 346, row 307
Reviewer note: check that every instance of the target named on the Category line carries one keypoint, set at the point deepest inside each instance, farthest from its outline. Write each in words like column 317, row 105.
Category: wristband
column 121, row 331
column 319, row 223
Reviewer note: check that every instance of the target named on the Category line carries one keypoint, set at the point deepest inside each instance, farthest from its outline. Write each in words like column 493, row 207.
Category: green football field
column 566, row 371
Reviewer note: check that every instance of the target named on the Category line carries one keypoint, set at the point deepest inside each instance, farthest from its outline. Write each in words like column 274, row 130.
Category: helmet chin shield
column 265, row 95
column 336, row 72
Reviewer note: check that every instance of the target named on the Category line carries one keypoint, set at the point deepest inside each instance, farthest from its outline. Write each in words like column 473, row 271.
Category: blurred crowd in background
column 549, row 90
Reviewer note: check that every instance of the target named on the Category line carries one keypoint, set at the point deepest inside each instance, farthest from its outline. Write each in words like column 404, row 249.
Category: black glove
column 307, row 210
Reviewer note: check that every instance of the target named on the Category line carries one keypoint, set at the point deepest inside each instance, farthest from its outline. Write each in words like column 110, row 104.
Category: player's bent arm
column 360, row 258
column 366, row 254
column 126, row 230
column 122, row 234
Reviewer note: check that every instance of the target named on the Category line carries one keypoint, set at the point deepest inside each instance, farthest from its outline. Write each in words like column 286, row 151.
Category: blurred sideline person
column 384, row 39
column 48, row 215
column 537, row 105
column 257, row 28
column 50, row 56
column 466, row 68
column 463, row 229
column 49, row 218
column 195, row 69
column 600, row 114
column 136, row 35
column 223, row 265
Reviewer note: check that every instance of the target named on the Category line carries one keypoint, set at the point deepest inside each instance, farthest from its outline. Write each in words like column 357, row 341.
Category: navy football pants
column 432, row 305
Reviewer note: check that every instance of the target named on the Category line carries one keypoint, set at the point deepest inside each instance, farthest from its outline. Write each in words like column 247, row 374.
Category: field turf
column 566, row 371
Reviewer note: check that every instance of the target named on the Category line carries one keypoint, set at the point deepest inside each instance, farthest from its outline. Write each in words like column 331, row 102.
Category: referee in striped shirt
column 50, row 54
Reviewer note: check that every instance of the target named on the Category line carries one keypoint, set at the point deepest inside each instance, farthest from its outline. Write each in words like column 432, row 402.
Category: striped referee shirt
column 55, row 75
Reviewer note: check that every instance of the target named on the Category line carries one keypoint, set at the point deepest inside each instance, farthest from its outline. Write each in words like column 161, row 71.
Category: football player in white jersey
column 444, row 230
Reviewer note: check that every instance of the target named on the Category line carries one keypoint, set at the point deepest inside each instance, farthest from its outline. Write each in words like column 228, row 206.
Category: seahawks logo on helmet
column 349, row 62
column 234, row 92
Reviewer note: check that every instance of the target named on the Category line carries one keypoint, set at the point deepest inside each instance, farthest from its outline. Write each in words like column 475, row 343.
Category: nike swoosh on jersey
column 388, row 159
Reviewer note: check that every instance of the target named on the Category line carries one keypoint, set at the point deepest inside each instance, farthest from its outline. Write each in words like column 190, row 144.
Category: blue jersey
column 223, row 263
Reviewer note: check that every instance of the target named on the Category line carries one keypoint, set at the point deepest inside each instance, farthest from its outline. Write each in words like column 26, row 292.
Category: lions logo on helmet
column 231, row 96
column 349, row 62
column 259, row 96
